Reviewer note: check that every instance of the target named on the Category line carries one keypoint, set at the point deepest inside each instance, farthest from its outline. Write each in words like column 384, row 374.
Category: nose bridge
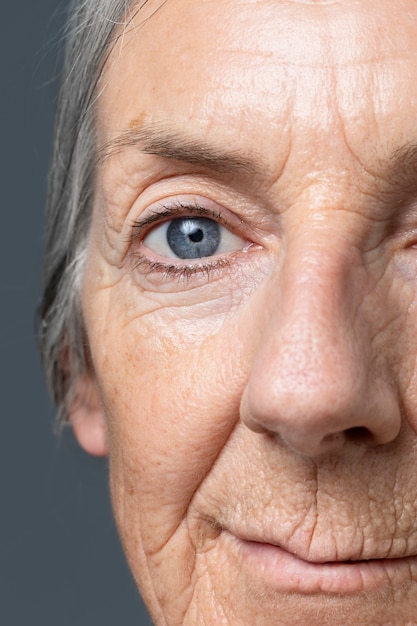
column 314, row 323
column 312, row 381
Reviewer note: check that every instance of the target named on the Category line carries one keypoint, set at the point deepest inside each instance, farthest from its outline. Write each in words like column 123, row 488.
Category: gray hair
column 91, row 32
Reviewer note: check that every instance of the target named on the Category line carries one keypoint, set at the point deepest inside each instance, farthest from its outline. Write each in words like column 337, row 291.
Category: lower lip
column 286, row 572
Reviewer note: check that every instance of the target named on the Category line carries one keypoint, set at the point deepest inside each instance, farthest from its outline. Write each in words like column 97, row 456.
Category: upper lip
column 321, row 554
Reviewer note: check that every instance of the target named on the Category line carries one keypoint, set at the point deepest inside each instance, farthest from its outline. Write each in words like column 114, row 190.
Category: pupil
column 197, row 236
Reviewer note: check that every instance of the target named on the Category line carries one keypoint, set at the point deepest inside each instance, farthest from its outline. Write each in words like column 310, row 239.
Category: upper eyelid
column 178, row 209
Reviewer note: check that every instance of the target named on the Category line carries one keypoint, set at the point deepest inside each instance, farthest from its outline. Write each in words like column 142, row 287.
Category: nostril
column 360, row 434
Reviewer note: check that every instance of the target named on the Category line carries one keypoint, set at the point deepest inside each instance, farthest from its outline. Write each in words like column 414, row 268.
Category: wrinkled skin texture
column 267, row 395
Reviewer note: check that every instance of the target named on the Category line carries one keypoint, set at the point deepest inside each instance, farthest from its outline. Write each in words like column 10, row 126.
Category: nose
column 317, row 379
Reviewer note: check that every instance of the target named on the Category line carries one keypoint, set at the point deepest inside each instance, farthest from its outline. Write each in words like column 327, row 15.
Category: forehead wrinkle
column 173, row 145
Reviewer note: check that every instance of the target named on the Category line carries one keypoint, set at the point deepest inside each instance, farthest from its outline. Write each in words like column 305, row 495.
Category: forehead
column 267, row 72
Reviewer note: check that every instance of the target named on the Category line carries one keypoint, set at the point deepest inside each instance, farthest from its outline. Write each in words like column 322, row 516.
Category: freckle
column 137, row 122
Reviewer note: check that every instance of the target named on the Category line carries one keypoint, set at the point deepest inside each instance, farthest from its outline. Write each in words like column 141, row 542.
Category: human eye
column 185, row 238
column 192, row 237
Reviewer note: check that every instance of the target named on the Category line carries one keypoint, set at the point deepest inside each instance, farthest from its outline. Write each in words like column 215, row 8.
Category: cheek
column 397, row 342
column 171, row 404
column 171, row 368
column 406, row 364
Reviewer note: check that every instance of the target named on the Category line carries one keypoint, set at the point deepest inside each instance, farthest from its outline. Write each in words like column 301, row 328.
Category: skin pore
column 259, row 405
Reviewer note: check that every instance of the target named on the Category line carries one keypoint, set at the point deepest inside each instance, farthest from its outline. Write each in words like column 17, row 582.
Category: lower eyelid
column 166, row 277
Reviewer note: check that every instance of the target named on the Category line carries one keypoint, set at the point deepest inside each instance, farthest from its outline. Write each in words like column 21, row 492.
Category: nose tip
column 307, row 441
column 312, row 433
column 314, row 383
column 319, row 414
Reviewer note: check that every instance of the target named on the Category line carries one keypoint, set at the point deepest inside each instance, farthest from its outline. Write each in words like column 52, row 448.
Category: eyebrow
column 169, row 144
column 404, row 162
column 398, row 174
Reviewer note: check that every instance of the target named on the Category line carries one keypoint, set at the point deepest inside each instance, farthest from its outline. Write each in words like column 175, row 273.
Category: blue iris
column 193, row 237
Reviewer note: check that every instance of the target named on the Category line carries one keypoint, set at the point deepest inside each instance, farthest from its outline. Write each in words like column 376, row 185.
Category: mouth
column 281, row 570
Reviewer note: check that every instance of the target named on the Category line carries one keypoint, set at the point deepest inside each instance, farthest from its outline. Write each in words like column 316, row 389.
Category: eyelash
column 185, row 272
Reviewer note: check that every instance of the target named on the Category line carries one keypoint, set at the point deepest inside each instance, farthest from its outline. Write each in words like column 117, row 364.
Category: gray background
column 60, row 560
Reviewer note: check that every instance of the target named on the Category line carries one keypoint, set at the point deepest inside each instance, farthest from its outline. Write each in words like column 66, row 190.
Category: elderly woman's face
column 250, row 300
